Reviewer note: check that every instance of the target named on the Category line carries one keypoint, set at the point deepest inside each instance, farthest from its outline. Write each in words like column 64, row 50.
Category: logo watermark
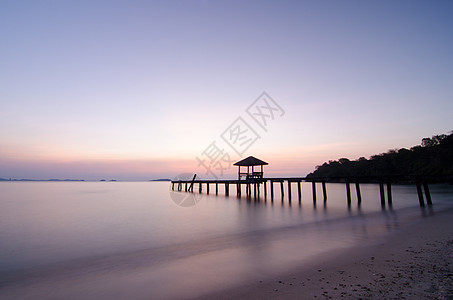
column 178, row 192
column 237, row 138
column 230, row 146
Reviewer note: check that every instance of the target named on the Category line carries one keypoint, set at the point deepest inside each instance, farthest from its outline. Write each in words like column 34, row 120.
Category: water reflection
column 427, row 211
column 142, row 233
column 185, row 199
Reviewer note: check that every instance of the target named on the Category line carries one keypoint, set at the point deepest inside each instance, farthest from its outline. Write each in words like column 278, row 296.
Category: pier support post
column 207, row 188
column 272, row 190
column 216, row 188
column 359, row 195
column 200, row 187
column 324, row 191
column 420, row 194
column 172, row 186
column 381, row 191
column 389, row 194
column 192, row 182
column 299, row 191
column 313, row 189
column 289, row 190
column 281, row 187
column 186, row 186
column 227, row 189
column 427, row 194
column 348, row 192
column 265, row 189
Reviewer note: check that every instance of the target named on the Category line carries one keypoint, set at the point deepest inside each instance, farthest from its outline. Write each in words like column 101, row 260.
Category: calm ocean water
column 140, row 240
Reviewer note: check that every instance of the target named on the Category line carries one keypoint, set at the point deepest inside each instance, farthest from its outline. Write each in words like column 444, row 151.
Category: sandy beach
column 415, row 262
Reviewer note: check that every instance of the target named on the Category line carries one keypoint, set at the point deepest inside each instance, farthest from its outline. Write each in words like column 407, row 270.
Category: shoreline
column 415, row 261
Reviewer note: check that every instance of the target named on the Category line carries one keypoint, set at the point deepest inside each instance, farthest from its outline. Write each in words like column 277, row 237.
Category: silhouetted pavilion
column 250, row 162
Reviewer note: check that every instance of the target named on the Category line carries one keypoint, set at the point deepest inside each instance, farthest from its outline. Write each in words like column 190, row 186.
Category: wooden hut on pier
column 250, row 162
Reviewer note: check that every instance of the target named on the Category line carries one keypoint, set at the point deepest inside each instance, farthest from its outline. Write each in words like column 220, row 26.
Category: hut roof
column 251, row 161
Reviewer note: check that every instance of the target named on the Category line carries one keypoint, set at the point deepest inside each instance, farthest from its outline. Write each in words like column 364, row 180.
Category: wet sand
column 414, row 262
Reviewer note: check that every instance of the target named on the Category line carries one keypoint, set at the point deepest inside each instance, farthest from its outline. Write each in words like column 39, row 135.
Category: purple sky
column 139, row 89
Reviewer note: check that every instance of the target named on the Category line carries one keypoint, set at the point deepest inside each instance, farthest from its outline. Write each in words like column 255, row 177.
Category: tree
column 439, row 138
column 427, row 142
column 343, row 160
column 434, row 159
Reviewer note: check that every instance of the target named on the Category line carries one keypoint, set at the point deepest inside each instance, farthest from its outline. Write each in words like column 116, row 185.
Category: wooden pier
column 253, row 187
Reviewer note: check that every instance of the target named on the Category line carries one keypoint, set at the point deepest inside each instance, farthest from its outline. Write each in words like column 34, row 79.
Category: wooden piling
column 348, row 192
column 289, row 190
column 227, row 189
column 272, row 190
column 420, row 194
column 389, row 194
column 216, row 188
column 299, row 191
column 192, row 182
column 381, row 191
column 265, row 189
column 359, row 195
column 207, row 188
column 313, row 189
column 200, row 187
column 179, row 186
column 427, row 194
column 324, row 191
column 281, row 187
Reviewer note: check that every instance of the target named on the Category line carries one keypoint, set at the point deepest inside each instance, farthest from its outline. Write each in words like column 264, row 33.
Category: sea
column 143, row 240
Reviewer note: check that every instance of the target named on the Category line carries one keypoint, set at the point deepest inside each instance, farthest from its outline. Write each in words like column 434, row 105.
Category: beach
column 414, row 262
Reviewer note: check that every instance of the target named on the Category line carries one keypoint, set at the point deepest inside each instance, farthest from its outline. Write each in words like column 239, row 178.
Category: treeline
column 433, row 159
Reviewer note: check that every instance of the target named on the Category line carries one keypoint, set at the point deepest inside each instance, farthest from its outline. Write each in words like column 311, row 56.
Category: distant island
column 3, row 179
column 103, row 180
column 433, row 159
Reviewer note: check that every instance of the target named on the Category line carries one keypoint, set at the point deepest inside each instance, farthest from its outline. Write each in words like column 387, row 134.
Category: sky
column 138, row 90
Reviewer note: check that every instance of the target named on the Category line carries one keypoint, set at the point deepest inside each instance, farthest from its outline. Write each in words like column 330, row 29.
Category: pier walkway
column 252, row 187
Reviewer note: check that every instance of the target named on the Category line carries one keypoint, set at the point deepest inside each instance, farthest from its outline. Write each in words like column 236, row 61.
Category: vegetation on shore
column 432, row 159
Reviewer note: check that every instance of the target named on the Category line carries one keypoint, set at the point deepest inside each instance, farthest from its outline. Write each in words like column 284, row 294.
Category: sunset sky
column 136, row 90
